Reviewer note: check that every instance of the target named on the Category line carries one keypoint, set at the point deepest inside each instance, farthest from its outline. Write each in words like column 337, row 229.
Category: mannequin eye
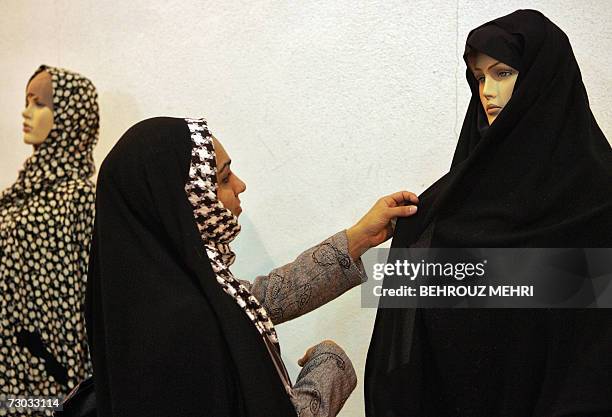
column 480, row 78
column 504, row 74
column 34, row 101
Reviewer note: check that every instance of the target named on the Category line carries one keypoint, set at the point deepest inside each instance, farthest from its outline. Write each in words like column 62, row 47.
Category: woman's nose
column 240, row 187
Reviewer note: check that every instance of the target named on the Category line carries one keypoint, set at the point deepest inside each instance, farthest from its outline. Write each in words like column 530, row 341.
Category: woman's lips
column 26, row 128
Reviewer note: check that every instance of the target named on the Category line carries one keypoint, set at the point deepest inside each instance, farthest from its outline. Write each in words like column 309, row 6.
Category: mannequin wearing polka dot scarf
column 46, row 220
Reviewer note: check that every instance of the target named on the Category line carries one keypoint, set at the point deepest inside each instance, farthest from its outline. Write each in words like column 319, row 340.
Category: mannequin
column 46, row 219
column 528, row 141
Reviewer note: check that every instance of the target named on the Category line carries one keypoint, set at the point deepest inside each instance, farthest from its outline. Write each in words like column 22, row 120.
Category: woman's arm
column 317, row 276
column 329, row 269
column 325, row 382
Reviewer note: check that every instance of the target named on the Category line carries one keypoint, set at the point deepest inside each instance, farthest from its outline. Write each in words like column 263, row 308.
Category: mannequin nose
column 26, row 113
column 489, row 88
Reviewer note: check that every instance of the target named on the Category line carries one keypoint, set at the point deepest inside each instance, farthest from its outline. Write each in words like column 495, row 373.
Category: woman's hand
column 327, row 368
column 378, row 223
column 326, row 345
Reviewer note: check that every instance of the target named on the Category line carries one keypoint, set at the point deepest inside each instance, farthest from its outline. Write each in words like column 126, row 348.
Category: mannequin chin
column 38, row 114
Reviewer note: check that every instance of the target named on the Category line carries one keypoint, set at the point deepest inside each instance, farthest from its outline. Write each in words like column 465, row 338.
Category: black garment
column 165, row 339
column 539, row 176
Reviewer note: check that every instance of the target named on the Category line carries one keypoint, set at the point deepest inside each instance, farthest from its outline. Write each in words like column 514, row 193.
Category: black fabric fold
column 539, row 176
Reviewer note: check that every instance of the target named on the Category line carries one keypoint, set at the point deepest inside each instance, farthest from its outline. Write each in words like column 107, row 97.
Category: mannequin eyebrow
column 489, row 67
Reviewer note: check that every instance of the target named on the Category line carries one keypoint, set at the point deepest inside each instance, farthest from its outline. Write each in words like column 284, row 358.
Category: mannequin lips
column 493, row 109
column 27, row 128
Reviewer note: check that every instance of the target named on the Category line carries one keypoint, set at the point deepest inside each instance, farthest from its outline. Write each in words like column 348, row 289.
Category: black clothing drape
column 539, row 176
column 165, row 339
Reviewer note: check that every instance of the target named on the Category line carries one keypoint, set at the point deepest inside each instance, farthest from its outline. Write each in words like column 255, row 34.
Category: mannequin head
column 38, row 112
column 229, row 186
column 495, row 82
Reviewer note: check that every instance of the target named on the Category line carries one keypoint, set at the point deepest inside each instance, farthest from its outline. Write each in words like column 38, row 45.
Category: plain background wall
column 324, row 106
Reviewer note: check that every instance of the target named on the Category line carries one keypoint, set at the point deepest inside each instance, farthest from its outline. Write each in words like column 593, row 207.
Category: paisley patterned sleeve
column 325, row 382
column 317, row 276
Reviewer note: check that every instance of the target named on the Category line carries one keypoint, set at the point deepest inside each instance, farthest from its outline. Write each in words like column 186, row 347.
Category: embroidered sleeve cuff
column 353, row 270
column 325, row 382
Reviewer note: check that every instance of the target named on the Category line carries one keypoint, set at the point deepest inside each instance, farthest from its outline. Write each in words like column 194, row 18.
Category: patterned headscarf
column 68, row 150
column 46, row 220
column 218, row 226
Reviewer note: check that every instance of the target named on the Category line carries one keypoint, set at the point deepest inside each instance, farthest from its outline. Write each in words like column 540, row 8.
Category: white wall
column 323, row 105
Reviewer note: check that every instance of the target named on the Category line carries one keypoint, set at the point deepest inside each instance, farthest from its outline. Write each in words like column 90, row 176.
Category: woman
column 46, row 218
column 531, row 169
column 172, row 332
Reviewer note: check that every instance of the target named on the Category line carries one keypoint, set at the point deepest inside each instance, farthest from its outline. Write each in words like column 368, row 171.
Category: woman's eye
column 480, row 78
column 504, row 74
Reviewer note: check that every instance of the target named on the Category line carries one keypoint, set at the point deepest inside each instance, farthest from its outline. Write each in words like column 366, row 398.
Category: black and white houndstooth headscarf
column 218, row 226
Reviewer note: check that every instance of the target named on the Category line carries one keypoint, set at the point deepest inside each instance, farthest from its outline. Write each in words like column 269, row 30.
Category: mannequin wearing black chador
column 46, row 219
column 538, row 175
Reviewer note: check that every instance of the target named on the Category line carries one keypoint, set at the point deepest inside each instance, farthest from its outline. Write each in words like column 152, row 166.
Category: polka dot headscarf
column 67, row 152
column 46, row 220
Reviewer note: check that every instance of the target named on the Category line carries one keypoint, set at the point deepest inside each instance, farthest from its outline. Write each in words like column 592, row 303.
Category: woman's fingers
column 327, row 343
column 375, row 226
column 401, row 211
column 400, row 198
column 302, row 361
column 398, row 204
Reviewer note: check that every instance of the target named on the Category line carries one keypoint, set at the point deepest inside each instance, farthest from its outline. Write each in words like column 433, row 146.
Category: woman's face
column 495, row 83
column 229, row 186
column 38, row 113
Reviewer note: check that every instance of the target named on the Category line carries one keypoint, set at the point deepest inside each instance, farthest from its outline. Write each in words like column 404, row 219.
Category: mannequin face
column 229, row 186
column 495, row 83
column 38, row 113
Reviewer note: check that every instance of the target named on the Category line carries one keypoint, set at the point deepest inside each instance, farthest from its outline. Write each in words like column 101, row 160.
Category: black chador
column 165, row 338
column 539, row 176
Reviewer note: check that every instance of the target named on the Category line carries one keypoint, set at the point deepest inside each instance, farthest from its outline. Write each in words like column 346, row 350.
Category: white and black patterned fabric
column 218, row 226
column 46, row 220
